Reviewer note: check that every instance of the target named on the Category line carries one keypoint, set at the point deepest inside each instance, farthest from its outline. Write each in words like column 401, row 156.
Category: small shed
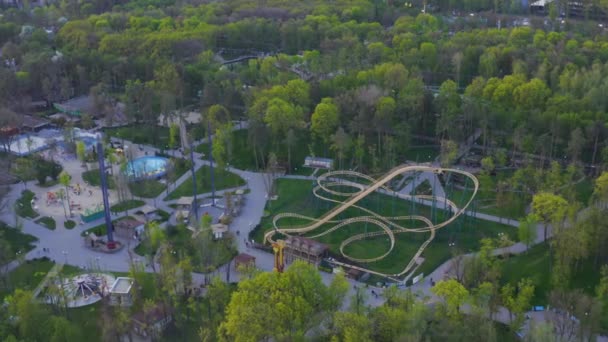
column 219, row 230
column 185, row 203
column 31, row 123
column 244, row 259
column 120, row 292
column 129, row 228
column 319, row 163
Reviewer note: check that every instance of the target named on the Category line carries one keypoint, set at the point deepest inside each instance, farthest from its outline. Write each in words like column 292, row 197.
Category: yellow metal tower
column 279, row 257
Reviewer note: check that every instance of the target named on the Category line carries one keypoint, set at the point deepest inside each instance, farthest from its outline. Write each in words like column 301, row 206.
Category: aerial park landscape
column 353, row 170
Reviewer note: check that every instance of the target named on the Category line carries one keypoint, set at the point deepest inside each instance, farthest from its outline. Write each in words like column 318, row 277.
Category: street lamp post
column 211, row 163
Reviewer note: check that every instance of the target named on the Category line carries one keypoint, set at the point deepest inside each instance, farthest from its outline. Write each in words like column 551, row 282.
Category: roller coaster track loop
column 388, row 225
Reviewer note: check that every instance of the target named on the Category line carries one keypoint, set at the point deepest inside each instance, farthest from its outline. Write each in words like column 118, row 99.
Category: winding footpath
column 67, row 246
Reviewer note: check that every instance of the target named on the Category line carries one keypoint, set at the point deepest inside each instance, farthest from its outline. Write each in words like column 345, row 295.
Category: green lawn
column 513, row 204
column 180, row 166
column 69, row 224
column 535, row 265
column 16, row 239
column 126, row 205
column 223, row 180
column 23, row 206
column 93, row 177
column 295, row 196
column 148, row 188
column 27, row 276
column 156, row 136
column 48, row 222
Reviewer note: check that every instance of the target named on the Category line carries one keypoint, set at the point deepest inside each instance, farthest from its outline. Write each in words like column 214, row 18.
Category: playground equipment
column 51, row 198
column 83, row 289
column 389, row 225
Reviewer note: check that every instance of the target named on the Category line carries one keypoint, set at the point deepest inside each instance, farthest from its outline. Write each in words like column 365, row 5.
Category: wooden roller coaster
column 389, row 225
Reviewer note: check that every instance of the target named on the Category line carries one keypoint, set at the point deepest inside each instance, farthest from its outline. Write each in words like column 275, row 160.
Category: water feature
column 147, row 167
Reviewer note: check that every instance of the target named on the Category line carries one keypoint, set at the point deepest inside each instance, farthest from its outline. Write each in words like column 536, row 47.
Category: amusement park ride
column 279, row 257
column 388, row 225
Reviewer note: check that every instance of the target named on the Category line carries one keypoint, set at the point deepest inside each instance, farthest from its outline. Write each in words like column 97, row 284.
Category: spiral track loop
column 388, row 225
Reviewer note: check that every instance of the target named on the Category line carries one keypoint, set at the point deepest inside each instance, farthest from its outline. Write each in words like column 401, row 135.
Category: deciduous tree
column 324, row 120
column 453, row 295
column 281, row 306
column 549, row 208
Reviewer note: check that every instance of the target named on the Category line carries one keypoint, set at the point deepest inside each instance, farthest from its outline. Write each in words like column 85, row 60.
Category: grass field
column 16, row 239
column 47, row 222
column 223, row 180
column 535, row 264
column 148, row 188
column 23, row 206
column 296, row 196
column 93, row 177
column 514, row 204
column 126, row 205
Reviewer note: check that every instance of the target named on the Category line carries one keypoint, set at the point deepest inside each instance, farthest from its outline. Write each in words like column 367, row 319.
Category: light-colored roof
column 182, row 213
column 147, row 209
column 186, row 200
column 122, row 285
column 219, row 228
column 541, row 3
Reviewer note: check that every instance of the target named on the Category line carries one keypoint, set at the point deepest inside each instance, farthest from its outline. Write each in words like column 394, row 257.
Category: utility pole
column 194, row 190
column 211, row 163
column 104, row 192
